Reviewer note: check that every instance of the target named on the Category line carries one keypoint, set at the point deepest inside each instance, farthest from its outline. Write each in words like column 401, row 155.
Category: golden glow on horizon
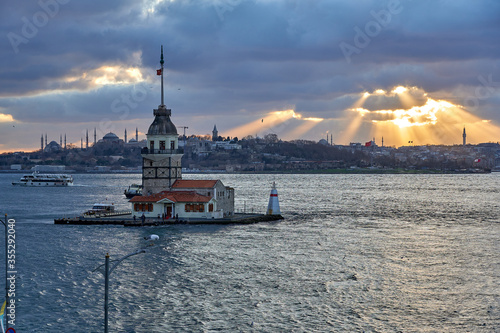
column 421, row 119
column 271, row 122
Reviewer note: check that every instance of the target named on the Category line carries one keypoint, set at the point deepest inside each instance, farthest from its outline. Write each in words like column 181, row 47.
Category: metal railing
column 161, row 151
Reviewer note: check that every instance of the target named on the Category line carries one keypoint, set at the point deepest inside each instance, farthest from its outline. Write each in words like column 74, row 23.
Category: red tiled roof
column 177, row 196
column 149, row 198
column 194, row 183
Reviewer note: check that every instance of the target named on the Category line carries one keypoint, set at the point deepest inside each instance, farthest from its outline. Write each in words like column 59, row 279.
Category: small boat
column 100, row 209
column 43, row 179
column 133, row 190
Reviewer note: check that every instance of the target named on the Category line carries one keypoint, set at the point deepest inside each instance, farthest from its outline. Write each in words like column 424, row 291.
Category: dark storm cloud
column 248, row 55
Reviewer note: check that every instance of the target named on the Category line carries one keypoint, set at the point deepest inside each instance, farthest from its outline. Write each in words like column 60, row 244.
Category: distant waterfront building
column 48, row 168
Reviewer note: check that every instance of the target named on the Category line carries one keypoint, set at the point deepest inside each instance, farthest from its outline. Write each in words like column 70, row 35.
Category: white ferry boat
column 41, row 179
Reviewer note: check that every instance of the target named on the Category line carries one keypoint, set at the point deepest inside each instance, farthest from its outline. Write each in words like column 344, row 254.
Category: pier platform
column 127, row 220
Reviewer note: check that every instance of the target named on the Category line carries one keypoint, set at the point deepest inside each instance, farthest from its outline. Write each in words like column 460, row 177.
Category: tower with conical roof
column 215, row 133
column 161, row 158
column 464, row 137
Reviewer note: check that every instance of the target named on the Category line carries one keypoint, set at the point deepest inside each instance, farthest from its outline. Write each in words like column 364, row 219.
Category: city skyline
column 401, row 70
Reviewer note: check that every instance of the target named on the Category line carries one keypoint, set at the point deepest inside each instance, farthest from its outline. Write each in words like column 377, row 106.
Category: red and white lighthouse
column 274, row 205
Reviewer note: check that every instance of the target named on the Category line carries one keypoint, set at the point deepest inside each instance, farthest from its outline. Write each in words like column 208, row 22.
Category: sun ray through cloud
column 418, row 119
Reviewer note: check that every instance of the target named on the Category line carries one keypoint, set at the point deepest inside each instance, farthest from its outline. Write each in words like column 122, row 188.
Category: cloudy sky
column 354, row 70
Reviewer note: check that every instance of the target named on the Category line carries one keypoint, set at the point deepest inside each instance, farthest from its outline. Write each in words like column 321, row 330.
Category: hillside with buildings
column 249, row 154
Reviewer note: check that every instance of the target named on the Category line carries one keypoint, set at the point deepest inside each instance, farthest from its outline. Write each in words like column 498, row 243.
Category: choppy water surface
column 373, row 253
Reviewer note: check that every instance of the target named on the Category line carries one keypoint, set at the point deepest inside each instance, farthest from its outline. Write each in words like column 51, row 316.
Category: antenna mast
column 162, row 62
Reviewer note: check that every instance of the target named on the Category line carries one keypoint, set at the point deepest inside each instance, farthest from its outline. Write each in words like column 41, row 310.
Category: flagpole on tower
column 161, row 62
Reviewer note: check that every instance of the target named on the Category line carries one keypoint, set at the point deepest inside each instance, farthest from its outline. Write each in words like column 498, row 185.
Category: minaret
column 41, row 143
column 215, row 133
column 464, row 136
column 125, row 135
column 382, row 141
column 60, row 140
column 87, row 140
column 95, row 136
column 64, row 140
column 45, row 139
column 161, row 158
column 81, row 143
column 136, row 134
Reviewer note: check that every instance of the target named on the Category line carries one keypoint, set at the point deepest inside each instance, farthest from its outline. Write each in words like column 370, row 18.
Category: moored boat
column 99, row 208
column 42, row 179
column 133, row 190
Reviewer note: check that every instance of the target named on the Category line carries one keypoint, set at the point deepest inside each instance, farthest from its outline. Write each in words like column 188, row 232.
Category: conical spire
column 162, row 124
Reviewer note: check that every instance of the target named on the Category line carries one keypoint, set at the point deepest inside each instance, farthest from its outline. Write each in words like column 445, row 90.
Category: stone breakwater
column 128, row 221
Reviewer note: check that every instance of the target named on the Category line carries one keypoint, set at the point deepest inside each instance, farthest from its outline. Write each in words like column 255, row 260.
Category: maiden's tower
column 161, row 158
column 165, row 194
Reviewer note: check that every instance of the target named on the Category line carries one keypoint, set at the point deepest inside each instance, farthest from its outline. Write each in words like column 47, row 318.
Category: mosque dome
column 323, row 142
column 52, row 147
column 110, row 137
column 162, row 125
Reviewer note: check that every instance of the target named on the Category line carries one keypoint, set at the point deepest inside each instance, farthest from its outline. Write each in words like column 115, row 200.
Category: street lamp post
column 106, row 292
column 6, row 270
column 106, row 273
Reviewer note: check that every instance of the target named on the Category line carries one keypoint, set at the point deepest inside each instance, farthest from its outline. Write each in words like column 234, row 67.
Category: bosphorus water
column 355, row 253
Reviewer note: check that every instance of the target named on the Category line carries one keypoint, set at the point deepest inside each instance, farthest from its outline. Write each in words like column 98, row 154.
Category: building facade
column 161, row 158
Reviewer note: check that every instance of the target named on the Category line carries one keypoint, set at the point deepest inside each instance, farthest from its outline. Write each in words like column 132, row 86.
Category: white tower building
column 161, row 158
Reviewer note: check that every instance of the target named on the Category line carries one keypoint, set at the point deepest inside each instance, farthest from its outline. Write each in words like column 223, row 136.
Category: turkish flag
column 158, row 72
